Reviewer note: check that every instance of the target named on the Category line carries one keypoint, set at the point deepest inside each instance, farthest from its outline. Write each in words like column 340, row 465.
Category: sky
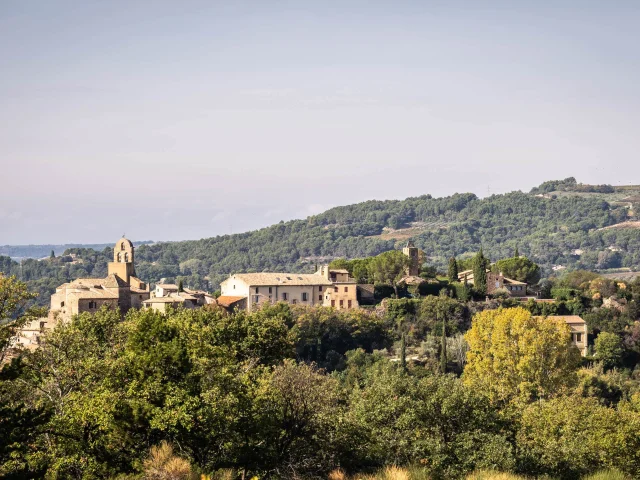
column 169, row 120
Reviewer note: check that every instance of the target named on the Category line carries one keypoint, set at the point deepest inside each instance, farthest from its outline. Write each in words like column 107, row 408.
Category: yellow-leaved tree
column 516, row 356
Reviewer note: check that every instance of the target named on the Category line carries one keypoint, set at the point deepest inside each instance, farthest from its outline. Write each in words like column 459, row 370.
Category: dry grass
column 489, row 475
column 162, row 464
column 337, row 474
column 607, row 475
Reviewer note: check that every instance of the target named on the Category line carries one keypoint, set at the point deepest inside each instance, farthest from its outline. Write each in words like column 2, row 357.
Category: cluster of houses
column 246, row 291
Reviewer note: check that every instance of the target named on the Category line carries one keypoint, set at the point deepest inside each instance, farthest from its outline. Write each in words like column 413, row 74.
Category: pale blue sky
column 176, row 120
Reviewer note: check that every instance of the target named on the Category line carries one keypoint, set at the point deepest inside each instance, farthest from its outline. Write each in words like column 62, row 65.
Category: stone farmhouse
column 497, row 281
column 578, row 331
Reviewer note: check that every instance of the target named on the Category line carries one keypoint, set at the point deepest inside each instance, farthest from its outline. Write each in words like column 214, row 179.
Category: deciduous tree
column 515, row 356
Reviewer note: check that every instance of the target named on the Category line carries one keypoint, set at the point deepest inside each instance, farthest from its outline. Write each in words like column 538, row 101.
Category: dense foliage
column 295, row 392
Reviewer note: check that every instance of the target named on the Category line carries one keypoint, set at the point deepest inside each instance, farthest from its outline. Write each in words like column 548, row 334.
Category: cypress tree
column 516, row 254
column 403, row 353
column 453, row 270
column 53, row 254
column 180, row 286
column 480, row 273
column 443, row 348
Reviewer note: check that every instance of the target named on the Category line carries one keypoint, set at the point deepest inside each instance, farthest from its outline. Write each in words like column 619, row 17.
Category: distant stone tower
column 122, row 264
column 414, row 258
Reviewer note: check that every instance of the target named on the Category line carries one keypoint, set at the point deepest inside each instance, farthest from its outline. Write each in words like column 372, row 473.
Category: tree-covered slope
column 563, row 230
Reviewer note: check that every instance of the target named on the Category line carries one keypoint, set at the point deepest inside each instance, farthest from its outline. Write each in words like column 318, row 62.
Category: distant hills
column 42, row 251
column 559, row 224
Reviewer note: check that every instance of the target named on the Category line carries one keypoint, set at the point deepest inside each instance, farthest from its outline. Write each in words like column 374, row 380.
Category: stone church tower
column 122, row 264
column 414, row 259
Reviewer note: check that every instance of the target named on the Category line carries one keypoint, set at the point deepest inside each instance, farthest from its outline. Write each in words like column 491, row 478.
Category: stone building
column 578, row 331
column 414, row 254
column 119, row 289
column 167, row 294
column 497, row 281
column 327, row 287
column 344, row 294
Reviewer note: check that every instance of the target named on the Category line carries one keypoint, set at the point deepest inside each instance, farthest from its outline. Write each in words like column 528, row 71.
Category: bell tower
column 122, row 264
column 414, row 258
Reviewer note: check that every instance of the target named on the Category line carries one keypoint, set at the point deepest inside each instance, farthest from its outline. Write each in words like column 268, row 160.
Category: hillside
column 549, row 228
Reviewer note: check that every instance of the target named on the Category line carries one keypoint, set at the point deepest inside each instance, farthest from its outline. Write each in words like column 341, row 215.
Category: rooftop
column 269, row 279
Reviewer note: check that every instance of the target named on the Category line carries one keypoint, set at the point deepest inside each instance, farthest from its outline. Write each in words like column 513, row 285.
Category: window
column 346, row 289
column 256, row 298
column 122, row 246
column 320, row 297
column 119, row 257
column 42, row 324
column 234, row 286
column 342, row 304
column 304, row 296
column 257, row 290
column 335, row 289
column 92, row 304
column 62, row 304
column 285, row 296
column 126, row 257
column 578, row 337
column 333, row 303
column 348, row 303
column 270, row 290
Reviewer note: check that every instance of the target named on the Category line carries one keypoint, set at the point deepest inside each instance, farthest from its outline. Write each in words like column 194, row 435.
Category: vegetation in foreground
column 245, row 393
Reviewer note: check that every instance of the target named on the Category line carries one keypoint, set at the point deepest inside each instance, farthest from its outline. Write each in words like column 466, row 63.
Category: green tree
column 453, row 270
column 435, row 420
column 516, row 253
column 443, row 348
column 480, row 273
column 53, row 254
column 519, row 268
column 515, row 356
column 403, row 352
column 180, row 286
column 570, row 436
column 609, row 349
column 389, row 268
column 15, row 311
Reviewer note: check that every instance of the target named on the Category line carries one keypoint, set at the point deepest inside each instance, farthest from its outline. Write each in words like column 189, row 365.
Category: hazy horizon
column 170, row 121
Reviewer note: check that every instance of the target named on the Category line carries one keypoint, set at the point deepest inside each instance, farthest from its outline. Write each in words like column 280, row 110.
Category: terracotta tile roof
column 228, row 300
column 275, row 279
column 167, row 286
column 338, row 270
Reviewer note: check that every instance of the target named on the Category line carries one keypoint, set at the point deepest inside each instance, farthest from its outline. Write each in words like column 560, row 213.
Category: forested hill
column 553, row 229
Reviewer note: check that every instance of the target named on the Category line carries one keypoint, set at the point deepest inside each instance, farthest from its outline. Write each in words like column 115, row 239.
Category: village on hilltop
column 328, row 287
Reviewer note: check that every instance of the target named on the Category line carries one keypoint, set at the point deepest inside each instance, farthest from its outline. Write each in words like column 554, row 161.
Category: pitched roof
column 164, row 300
column 274, row 279
column 110, row 281
column 568, row 318
column 167, row 286
column 338, row 270
column 228, row 300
